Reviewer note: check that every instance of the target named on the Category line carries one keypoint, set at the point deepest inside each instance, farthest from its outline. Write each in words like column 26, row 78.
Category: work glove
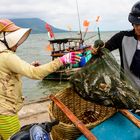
column 70, row 58
column 98, row 44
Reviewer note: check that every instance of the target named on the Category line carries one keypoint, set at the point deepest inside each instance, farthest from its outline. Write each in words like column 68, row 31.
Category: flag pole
column 79, row 20
column 99, row 34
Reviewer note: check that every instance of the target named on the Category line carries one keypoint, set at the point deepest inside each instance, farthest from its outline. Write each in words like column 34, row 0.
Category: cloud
column 61, row 13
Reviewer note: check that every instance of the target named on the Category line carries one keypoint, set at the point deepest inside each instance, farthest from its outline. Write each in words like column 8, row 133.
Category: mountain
column 37, row 25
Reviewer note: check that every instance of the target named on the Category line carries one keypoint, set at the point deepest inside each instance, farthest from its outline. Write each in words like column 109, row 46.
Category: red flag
column 49, row 29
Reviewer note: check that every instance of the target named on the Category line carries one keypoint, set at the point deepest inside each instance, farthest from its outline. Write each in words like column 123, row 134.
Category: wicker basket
column 82, row 110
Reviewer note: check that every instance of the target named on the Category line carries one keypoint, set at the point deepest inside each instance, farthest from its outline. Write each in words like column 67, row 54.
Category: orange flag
column 48, row 47
column 97, row 18
column 86, row 23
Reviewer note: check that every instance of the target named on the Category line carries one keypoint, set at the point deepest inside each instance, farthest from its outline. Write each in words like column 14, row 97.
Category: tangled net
column 104, row 82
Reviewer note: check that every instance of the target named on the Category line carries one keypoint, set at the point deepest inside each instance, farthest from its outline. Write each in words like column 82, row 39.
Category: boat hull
column 62, row 74
column 118, row 127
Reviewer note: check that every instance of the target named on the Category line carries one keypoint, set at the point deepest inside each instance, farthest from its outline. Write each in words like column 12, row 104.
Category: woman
column 12, row 68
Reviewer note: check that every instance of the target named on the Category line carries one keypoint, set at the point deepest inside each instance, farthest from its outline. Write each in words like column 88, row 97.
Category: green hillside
column 37, row 25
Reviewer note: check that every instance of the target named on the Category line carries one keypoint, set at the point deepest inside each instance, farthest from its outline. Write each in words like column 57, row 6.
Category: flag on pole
column 86, row 23
column 49, row 29
column 48, row 47
column 97, row 18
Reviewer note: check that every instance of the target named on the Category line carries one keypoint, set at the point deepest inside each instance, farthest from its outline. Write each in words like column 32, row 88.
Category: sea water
column 34, row 48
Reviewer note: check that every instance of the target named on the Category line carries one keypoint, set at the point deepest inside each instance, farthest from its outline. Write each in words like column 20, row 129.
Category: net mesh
column 103, row 81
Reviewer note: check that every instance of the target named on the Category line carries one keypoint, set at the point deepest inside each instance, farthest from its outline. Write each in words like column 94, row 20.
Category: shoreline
column 35, row 112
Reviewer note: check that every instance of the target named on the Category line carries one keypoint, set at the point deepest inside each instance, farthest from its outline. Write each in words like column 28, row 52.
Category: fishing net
column 103, row 81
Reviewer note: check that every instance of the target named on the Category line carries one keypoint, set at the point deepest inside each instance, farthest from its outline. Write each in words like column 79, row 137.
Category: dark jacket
column 116, row 42
column 126, row 42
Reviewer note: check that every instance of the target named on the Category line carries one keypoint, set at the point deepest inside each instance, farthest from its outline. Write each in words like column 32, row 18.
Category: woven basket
column 89, row 113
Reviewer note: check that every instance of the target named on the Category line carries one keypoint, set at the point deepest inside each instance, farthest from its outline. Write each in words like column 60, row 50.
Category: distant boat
column 59, row 48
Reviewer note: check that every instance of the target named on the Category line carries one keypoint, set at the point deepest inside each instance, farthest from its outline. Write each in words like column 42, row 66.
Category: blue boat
column 118, row 127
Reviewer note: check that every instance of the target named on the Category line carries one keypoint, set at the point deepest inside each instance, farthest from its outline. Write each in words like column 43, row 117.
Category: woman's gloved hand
column 70, row 58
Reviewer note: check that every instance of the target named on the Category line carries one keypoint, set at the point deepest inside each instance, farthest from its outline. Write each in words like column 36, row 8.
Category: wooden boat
column 118, row 127
column 59, row 48
column 62, row 74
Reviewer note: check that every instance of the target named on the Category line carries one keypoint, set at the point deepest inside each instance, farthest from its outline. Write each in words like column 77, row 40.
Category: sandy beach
column 35, row 112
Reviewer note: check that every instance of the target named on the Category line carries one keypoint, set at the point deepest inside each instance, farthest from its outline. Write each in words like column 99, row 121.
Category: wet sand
column 35, row 112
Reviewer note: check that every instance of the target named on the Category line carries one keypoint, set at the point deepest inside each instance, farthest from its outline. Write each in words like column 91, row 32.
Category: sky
column 64, row 13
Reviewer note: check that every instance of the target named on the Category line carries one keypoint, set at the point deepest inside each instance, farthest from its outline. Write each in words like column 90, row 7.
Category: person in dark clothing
column 128, row 43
